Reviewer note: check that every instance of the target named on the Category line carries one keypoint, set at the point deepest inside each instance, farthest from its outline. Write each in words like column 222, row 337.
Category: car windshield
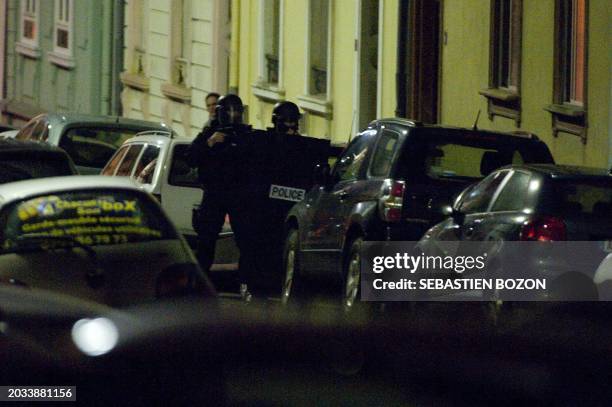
column 26, row 166
column 590, row 198
column 100, row 217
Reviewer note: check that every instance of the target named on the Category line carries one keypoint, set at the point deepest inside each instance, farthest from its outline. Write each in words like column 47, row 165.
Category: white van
column 157, row 161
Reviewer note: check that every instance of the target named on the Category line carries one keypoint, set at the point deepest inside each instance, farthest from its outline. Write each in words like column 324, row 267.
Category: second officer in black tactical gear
column 287, row 163
column 220, row 152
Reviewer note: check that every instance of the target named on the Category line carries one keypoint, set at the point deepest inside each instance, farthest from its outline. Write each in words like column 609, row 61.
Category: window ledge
column 315, row 105
column 176, row 92
column 135, row 81
column 500, row 94
column 61, row 59
column 28, row 50
column 566, row 110
column 504, row 103
column 569, row 119
column 268, row 92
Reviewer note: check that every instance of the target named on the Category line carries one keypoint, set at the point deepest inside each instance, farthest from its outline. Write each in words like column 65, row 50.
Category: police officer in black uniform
column 221, row 154
column 287, row 163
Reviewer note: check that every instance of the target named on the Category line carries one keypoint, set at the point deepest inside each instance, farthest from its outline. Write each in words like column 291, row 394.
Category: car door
column 331, row 205
column 180, row 188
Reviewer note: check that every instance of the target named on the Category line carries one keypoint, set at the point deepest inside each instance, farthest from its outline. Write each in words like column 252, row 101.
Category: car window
column 348, row 165
column 478, row 198
column 22, row 166
column 181, row 174
column 146, row 165
column 383, row 156
column 40, row 131
column 441, row 153
column 26, row 131
column 93, row 146
column 513, row 196
column 581, row 197
column 129, row 161
column 92, row 217
column 114, row 162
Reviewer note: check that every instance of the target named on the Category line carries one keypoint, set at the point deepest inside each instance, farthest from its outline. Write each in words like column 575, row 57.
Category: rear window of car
column 20, row 167
column 576, row 198
column 93, row 146
column 100, row 217
column 440, row 153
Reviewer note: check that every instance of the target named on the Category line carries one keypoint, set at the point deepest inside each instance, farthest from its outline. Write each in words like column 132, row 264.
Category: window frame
column 178, row 87
column 505, row 101
column 60, row 56
column 29, row 47
column 135, row 74
column 263, row 88
column 568, row 117
column 320, row 104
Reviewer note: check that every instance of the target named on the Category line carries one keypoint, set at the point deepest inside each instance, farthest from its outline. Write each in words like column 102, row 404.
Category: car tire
column 351, row 287
column 290, row 291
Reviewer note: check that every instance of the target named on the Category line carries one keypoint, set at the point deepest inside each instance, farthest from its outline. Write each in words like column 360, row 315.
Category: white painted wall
column 202, row 72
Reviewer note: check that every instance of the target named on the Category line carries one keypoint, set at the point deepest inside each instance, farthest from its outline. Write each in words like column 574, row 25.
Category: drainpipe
column 117, row 57
column 234, row 78
column 401, row 77
column 3, row 11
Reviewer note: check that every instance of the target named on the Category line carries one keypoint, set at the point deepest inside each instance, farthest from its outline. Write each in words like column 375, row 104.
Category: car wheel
column 291, row 265
column 352, row 275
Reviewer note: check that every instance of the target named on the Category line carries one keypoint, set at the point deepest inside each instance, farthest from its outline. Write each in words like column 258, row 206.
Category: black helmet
column 285, row 112
column 229, row 110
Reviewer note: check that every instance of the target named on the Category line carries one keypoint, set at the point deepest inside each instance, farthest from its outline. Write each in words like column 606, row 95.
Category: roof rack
column 524, row 134
column 169, row 134
column 401, row 120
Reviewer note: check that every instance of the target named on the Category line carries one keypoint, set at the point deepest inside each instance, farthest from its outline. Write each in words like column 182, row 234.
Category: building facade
column 176, row 52
column 61, row 55
column 334, row 59
column 539, row 66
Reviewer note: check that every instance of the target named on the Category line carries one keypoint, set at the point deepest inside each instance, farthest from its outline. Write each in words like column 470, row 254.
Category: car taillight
column 544, row 229
column 392, row 200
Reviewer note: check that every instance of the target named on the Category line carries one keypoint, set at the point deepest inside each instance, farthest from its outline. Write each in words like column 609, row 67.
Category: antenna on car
column 475, row 126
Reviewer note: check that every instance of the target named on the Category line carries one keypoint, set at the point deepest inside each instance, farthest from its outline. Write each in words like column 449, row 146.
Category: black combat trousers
column 216, row 203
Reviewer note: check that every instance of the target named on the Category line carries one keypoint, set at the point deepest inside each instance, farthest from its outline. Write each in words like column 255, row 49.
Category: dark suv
column 395, row 180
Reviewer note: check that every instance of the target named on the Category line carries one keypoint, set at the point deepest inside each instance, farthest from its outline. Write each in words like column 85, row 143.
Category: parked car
column 89, row 140
column 94, row 237
column 157, row 161
column 391, row 183
column 20, row 160
column 535, row 203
